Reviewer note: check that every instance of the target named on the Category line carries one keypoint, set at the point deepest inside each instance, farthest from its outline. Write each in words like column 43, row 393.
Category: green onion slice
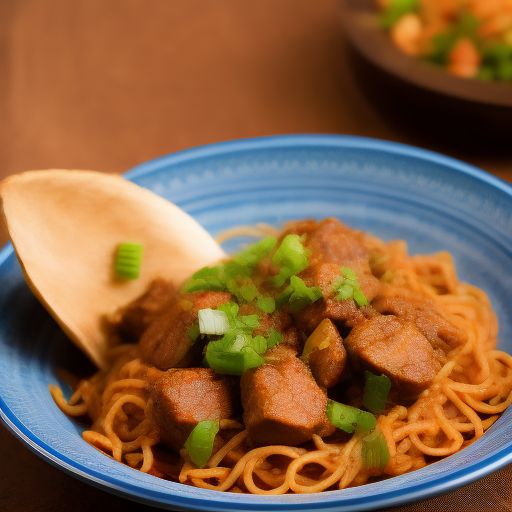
column 376, row 391
column 349, row 418
column 266, row 304
column 212, row 321
column 199, row 443
column 291, row 257
column 233, row 276
column 251, row 256
column 128, row 260
column 234, row 353
column 274, row 338
column 298, row 295
column 375, row 451
column 244, row 323
column 347, row 287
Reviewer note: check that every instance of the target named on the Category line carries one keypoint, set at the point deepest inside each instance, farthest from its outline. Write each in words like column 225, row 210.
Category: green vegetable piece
column 205, row 279
column 504, row 69
column 249, row 292
column 291, row 257
column 199, row 443
column 212, row 321
column 349, row 418
column 251, row 256
column 374, row 450
column 128, row 260
column 216, row 278
column 284, row 297
column 245, row 323
column 266, row 304
column 274, row 338
column 395, row 10
column 442, row 44
column 348, row 287
column 298, row 295
column 193, row 332
column 259, row 344
column 376, row 391
column 233, row 358
column 302, row 294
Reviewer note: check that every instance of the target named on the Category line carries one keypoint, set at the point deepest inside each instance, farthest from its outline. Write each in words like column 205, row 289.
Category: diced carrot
column 406, row 33
column 464, row 60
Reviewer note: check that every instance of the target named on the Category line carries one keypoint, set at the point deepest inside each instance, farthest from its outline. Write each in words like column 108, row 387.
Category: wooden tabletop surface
column 108, row 84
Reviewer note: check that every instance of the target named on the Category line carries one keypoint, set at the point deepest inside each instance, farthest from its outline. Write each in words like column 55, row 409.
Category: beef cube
column 343, row 313
column 279, row 321
column 166, row 342
column 332, row 246
column 396, row 348
column 283, row 404
column 426, row 314
column 136, row 316
column 184, row 397
column 325, row 354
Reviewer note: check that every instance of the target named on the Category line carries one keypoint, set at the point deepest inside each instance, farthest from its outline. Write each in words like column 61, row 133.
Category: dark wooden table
column 108, row 84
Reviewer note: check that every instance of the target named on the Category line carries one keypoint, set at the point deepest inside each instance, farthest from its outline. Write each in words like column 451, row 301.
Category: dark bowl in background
column 420, row 97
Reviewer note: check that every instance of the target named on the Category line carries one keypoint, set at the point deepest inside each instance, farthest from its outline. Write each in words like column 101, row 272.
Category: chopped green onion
column 266, row 304
column 128, row 260
column 298, row 295
column 274, row 338
column 216, row 278
column 249, row 292
column 259, row 343
column 193, row 332
column 212, row 321
column 291, row 258
column 251, row 256
column 232, row 275
column 375, row 451
column 376, row 391
column 395, row 10
column 199, row 443
column 233, row 354
column 348, row 287
column 243, row 323
column 349, row 418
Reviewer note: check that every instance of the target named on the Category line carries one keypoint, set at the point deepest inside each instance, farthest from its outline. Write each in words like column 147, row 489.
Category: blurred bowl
column 418, row 95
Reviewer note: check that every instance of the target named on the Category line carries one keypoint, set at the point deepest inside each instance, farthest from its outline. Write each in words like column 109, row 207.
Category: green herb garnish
column 376, row 391
column 199, row 443
column 128, row 260
column 347, row 287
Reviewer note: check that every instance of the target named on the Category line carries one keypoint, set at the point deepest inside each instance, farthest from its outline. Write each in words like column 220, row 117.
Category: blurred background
column 109, row 84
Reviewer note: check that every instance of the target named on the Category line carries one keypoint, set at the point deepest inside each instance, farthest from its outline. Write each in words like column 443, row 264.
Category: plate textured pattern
column 390, row 190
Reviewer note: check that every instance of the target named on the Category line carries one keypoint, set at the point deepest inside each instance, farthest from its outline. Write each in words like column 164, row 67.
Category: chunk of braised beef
column 138, row 315
column 282, row 402
column 279, row 320
column 168, row 341
column 332, row 246
column 328, row 357
column 396, row 348
column 345, row 314
column 184, row 397
column 426, row 314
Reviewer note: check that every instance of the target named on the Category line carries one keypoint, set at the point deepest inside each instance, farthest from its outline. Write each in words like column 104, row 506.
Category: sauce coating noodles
column 468, row 394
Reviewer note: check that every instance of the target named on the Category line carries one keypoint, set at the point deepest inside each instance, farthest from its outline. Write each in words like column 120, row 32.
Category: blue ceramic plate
column 390, row 190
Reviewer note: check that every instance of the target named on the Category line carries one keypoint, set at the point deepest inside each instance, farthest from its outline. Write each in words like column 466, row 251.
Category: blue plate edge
column 340, row 141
